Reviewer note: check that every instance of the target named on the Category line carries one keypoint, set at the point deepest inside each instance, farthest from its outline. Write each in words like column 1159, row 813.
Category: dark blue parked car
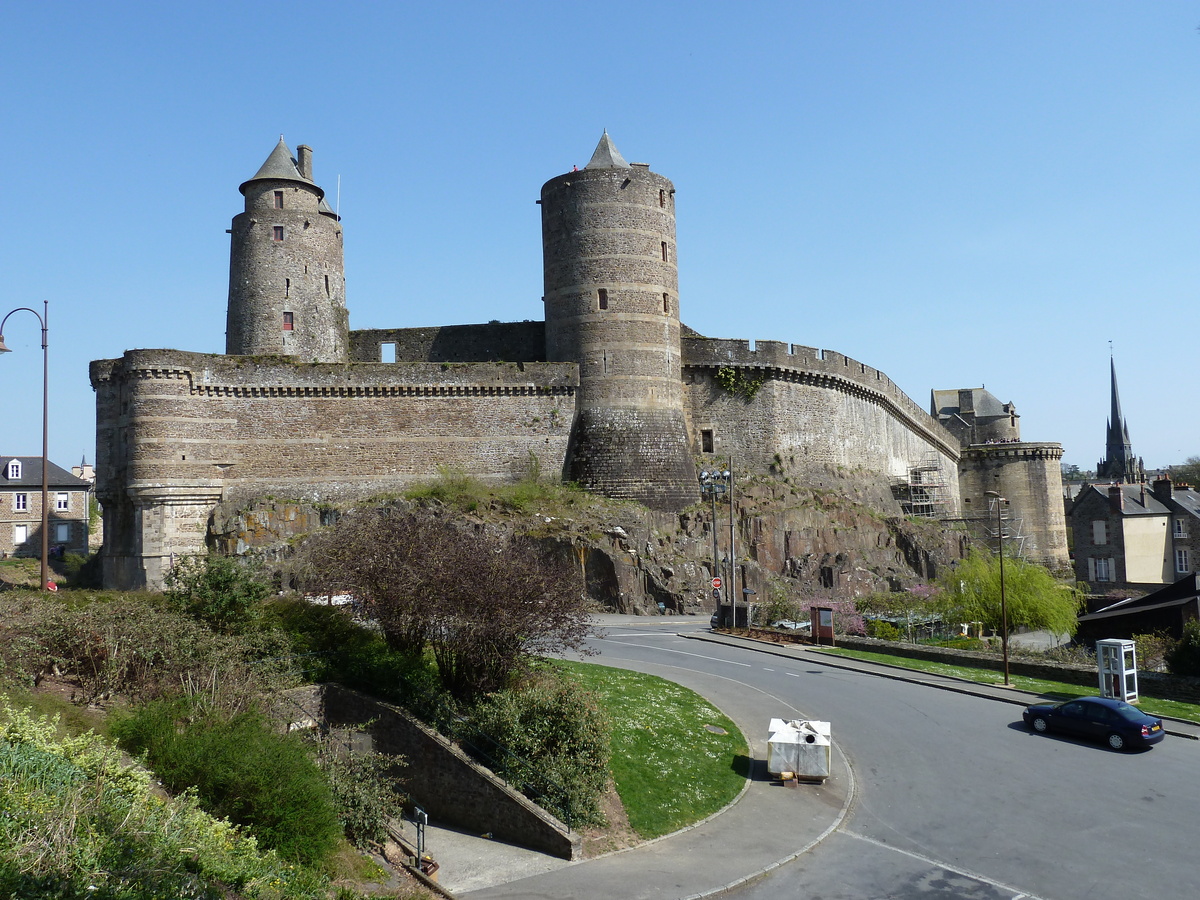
column 1115, row 722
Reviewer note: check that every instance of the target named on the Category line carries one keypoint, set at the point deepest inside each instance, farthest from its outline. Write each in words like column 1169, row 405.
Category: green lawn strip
column 1050, row 690
column 669, row 769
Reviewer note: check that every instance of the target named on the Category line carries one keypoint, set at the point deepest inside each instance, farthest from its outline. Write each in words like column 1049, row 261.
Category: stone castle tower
column 287, row 285
column 612, row 306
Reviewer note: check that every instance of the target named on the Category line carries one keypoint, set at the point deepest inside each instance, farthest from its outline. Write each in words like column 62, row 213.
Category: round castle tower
column 287, row 285
column 612, row 306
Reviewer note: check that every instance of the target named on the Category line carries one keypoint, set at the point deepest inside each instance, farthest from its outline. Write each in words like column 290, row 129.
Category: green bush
column 1184, row 657
column 82, row 571
column 217, row 590
column 241, row 769
column 884, row 630
column 553, row 741
column 366, row 787
column 77, row 822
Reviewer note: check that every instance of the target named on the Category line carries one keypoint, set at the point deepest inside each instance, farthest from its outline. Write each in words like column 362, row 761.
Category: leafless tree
column 486, row 603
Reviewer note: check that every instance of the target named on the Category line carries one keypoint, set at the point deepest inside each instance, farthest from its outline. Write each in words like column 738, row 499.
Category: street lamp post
column 43, row 318
column 713, row 483
column 1000, row 501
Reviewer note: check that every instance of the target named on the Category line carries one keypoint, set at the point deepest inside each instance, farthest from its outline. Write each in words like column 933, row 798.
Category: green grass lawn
column 1051, row 690
column 675, row 758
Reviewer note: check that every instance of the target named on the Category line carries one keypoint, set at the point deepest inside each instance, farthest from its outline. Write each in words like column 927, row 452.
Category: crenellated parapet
column 826, row 369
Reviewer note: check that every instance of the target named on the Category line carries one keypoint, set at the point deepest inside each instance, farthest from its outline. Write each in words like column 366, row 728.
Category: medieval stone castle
column 611, row 389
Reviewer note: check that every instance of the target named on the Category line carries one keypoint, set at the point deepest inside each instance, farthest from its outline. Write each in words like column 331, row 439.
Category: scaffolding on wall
column 923, row 491
column 995, row 528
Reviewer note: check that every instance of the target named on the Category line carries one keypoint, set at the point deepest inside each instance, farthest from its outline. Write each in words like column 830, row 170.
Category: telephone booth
column 1118, row 669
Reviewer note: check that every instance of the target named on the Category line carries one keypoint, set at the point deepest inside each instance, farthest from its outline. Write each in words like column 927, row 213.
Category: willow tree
column 1034, row 598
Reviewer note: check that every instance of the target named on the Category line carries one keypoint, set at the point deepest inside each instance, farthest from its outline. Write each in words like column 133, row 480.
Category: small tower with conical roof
column 612, row 305
column 287, row 285
column 1119, row 463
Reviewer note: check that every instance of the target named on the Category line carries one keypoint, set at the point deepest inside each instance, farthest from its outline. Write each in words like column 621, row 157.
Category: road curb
column 899, row 673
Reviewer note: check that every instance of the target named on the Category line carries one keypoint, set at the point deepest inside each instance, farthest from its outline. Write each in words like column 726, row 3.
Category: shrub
column 133, row 648
column 78, row 822
column 1153, row 650
column 366, row 787
column 1184, row 657
column 553, row 744
column 883, row 629
column 241, row 769
column 217, row 590
column 82, row 571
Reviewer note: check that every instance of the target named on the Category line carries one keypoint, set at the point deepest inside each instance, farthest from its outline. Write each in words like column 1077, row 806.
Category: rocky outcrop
column 808, row 542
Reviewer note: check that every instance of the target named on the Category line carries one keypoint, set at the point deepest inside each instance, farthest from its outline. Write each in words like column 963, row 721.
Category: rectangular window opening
column 62, row 533
column 662, row 198
column 387, row 352
column 62, row 501
column 667, row 303
column 20, row 502
column 1183, row 562
column 288, row 321
column 20, row 535
column 279, row 199
column 287, row 287
column 664, row 251
column 706, row 440
column 326, row 285
column 602, row 294
column 277, row 232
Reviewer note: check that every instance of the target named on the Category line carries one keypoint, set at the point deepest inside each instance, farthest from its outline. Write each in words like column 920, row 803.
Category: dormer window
column 14, row 470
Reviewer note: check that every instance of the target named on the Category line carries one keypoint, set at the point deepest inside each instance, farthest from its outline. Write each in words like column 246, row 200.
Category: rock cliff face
column 807, row 542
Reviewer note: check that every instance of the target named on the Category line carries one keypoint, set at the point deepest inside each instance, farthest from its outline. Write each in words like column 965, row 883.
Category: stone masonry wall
column 182, row 431
column 493, row 342
column 449, row 786
column 814, row 410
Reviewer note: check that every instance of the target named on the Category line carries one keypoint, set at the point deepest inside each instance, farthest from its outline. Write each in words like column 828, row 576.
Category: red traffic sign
column 716, row 583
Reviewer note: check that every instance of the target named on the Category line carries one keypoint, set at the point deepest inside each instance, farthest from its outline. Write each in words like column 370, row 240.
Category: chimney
column 1116, row 498
column 1161, row 488
column 966, row 402
column 304, row 154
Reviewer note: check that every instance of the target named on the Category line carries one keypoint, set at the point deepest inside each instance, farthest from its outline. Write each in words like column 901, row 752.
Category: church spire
column 1119, row 463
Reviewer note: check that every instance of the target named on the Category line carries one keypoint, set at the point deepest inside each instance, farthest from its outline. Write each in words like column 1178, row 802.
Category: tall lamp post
column 43, row 318
column 713, row 483
column 1000, row 501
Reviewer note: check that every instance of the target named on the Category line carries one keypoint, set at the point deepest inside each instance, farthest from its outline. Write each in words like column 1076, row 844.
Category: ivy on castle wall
column 739, row 383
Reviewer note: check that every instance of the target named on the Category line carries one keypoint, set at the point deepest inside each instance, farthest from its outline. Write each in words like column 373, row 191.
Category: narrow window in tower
column 603, row 296
column 664, row 250
column 706, row 440
column 277, row 233
column 666, row 303
column 287, row 287
column 279, row 199
column 287, row 321
column 662, row 198
column 326, row 285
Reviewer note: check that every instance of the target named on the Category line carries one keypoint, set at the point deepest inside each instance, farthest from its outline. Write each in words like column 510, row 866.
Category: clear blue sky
column 957, row 193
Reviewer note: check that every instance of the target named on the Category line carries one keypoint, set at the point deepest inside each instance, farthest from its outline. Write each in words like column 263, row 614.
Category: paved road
column 956, row 799
column 952, row 797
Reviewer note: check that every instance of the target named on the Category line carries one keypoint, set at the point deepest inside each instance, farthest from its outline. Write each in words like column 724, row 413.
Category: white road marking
column 1017, row 894
column 685, row 653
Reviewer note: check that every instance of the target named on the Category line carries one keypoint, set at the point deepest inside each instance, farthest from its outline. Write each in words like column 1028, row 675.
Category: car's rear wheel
column 1116, row 741
column 1040, row 725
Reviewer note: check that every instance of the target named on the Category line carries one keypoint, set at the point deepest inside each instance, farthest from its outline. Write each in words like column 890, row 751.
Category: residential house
column 21, row 507
column 1168, row 609
column 1131, row 537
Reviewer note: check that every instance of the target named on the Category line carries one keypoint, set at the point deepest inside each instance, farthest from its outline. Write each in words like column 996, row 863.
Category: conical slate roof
column 607, row 156
column 280, row 166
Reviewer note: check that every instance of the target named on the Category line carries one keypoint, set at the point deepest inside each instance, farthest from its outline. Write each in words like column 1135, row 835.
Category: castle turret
column 287, row 287
column 612, row 305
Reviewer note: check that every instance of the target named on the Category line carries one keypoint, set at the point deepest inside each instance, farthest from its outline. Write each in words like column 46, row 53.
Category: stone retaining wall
column 449, row 786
